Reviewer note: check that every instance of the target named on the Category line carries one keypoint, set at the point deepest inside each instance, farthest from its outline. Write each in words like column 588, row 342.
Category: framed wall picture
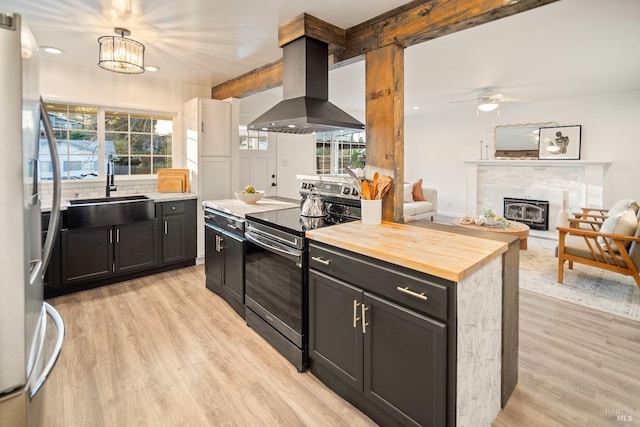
column 559, row 143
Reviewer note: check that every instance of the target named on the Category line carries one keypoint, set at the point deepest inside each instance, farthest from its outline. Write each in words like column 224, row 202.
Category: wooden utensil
column 384, row 184
column 375, row 186
column 366, row 191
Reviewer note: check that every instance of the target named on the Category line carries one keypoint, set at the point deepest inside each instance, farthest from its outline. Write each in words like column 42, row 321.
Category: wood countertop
column 240, row 209
column 441, row 253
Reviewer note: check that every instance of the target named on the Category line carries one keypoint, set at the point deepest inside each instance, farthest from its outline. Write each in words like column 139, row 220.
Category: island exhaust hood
column 305, row 83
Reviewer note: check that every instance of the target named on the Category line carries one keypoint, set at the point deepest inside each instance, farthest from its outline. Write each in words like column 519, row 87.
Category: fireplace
column 534, row 213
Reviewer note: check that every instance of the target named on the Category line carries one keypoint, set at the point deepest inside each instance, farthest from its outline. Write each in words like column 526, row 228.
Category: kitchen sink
column 105, row 211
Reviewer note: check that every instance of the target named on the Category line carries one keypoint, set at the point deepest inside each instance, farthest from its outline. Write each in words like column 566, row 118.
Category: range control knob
column 346, row 190
column 304, row 185
column 354, row 192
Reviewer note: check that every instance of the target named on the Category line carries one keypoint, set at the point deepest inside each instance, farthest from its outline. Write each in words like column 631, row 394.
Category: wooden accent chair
column 583, row 242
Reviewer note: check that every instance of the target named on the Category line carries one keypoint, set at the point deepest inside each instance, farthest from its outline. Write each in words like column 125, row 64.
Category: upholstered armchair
column 608, row 242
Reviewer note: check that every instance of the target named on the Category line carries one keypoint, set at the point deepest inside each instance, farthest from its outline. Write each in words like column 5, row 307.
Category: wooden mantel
column 380, row 41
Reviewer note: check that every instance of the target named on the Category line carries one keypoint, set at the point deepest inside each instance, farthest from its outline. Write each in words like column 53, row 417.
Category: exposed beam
column 255, row 81
column 407, row 25
column 384, row 90
column 307, row 25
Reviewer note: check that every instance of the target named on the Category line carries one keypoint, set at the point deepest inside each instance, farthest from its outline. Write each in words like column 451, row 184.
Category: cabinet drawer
column 416, row 291
column 172, row 208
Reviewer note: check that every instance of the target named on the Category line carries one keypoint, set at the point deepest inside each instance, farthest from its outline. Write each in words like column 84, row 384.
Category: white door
column 258, row 168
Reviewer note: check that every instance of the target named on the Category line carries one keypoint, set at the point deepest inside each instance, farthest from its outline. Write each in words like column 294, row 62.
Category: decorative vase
column 562, row 219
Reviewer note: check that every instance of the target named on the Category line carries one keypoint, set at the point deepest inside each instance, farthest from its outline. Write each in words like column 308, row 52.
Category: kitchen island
column 420, row 310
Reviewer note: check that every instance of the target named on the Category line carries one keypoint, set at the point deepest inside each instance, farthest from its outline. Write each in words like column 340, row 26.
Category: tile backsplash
column 86, row 190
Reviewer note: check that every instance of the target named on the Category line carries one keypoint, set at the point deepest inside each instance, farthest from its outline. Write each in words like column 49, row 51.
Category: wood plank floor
column 165, row 351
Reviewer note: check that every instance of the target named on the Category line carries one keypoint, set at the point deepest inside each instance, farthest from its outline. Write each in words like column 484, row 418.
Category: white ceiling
column 565, row 49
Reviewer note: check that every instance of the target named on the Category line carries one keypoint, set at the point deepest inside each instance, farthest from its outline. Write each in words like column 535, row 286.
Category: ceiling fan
column 487, row 100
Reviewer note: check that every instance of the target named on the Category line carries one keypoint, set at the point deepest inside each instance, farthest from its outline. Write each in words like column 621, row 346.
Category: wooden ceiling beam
column 255, row 81
column 307, row 25
column 407, row 25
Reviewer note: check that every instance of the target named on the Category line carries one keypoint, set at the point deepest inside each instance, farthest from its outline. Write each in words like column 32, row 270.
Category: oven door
column 274, row 278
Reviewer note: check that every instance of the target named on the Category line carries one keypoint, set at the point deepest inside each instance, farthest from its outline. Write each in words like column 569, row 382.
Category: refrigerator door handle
column 52, row 231
column 59, row 323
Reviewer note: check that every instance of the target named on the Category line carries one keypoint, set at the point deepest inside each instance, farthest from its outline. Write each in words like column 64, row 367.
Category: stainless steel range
column 276, row 270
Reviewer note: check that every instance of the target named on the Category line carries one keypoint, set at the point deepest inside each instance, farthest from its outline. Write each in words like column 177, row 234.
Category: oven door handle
column 274, row 247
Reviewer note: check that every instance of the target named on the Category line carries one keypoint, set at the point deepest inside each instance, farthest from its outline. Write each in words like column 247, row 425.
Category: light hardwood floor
column 165, row 351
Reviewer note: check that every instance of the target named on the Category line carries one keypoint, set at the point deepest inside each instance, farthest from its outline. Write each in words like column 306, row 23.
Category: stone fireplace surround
column 489, row 181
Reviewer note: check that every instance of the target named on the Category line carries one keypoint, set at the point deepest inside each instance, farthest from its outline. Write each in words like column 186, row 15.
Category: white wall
column 94, row 86
column 296, row 155
column 436, row 146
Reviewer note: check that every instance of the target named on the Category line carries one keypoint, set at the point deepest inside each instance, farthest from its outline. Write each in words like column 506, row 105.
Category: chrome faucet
column 111, row 186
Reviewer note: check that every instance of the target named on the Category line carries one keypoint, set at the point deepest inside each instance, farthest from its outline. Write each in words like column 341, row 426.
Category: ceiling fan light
column 120, row 54
column 488, row 106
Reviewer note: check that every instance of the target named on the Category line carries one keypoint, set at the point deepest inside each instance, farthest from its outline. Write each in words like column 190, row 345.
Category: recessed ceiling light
column 416, row 107
column 291, row 126
column 51, row 50
column 151, row 68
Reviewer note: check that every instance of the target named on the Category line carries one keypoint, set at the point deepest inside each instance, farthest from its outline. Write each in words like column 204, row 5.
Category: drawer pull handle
column 355, row 313
column 231, row 226
column 408, row 291
column 321, row 260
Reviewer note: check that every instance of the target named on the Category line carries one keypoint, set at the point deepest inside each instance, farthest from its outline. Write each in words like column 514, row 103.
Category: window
column 76, row 130
column 253, row 139
column 140, row 143
column 85, row 135
column 339, row 149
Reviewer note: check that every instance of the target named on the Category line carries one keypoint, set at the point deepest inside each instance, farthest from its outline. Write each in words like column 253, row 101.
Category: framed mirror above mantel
column 518, row 142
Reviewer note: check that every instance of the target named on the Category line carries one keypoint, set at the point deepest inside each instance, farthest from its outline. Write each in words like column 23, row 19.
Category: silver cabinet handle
column 408, row 291
column 220, row 244
column 355, row 312
column 321, row 260
column 231, row 226
column 217, row 243
column 110, row 237
column 117, row 235
column 364, row 318
column 166, row 227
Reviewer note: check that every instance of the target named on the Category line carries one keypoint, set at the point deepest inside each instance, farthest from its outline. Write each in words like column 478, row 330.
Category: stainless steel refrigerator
column 31, row 331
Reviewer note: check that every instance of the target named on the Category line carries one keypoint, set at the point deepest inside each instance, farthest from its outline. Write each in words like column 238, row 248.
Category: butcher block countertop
column 237, row 208
column 439, row 253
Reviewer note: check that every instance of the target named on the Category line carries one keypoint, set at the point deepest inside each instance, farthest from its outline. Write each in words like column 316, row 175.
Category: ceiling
column 561, row 50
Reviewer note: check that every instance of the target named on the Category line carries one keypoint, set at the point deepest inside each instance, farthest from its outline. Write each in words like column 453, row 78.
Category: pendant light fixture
column 120, row 54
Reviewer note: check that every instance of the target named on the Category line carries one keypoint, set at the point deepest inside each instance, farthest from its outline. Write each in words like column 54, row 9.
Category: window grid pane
column 141, row 143
column 335, row 151
column 253, row 139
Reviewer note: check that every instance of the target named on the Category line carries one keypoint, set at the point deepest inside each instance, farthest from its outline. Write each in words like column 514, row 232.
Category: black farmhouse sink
column 105, row 211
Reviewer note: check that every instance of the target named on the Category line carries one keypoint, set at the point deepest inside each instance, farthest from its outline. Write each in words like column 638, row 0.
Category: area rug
column 584, row 285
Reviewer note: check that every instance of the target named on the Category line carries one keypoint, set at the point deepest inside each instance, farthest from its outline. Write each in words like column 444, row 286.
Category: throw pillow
column 417, row 191
column 408, row 193
column 622, row 205
column 624, row 223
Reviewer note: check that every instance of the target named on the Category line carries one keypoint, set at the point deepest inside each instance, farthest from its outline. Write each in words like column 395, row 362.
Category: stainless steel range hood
column 305, row 83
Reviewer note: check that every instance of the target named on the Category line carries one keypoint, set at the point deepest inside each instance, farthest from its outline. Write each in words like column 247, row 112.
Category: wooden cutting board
column 173, row 180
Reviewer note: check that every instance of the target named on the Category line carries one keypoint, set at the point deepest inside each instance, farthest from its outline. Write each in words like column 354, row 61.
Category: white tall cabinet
column 210, row 128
